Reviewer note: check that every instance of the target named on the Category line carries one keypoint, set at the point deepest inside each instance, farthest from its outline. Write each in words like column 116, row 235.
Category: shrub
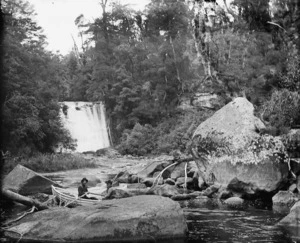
column 282, row 111
column 171, row 134
column 138, row 141
column 180, row 135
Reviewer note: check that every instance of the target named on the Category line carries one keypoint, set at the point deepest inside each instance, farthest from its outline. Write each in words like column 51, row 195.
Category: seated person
column 83, row 191
column 109, row 190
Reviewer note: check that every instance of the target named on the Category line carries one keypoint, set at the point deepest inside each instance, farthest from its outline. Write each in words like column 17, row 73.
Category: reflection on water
column 218, row 224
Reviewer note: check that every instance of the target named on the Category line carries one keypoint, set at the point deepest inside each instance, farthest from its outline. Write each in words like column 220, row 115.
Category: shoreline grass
column 49, row 162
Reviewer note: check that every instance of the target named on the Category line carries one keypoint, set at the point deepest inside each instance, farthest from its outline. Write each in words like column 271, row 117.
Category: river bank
column 208, row 220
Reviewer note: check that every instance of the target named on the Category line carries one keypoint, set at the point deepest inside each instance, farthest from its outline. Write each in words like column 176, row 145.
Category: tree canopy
column 144, row 64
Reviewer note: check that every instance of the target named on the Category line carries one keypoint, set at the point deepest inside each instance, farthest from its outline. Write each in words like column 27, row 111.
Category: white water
column 86, row 123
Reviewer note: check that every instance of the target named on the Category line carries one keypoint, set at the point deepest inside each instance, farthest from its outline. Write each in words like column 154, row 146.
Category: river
column 208, row 221
column 219, row 224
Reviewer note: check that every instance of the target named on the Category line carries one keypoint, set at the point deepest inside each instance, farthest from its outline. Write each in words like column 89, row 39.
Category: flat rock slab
column 131, row 219
column 27, row 182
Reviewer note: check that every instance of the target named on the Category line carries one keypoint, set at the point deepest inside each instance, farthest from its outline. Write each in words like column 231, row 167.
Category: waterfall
column 86, row 123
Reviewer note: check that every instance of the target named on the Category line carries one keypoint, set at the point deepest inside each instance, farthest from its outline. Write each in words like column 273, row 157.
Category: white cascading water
column 87, row 124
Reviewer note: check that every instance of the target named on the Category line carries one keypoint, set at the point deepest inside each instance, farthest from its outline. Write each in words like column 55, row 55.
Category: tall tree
column 32, row 82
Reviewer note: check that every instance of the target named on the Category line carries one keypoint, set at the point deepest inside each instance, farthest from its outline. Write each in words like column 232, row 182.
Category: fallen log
column 23, row 200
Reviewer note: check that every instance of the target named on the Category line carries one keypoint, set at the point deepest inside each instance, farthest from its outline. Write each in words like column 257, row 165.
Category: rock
column 292, row 221
column 224, row 194
column 165, row 190
column 127, row 219
column 153, row 167
column 178, row 171
column 118, row 193
column 298, row 183
column 123, row 177
column 293, row 188
column 180, row 197
column 196, row 194
column 297, row 204
column 284, row 198
column 236, row 185
column 149, row 181
column 165, row 174
column 181, row 180
column 246, row 155
column 109, row 152
column 135, row 179
column 170, row 181
column 136, row 186
column 234, row 202
column 211, row 190
column 27, row 182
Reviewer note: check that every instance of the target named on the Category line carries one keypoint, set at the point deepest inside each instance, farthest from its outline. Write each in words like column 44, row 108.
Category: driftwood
column 23, row 200
column 175, row 162
column 19, row 218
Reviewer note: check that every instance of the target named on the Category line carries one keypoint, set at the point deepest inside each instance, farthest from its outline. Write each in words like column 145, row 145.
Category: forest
column 143, row 65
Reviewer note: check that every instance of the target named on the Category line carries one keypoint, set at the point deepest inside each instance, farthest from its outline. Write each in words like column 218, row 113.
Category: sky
column 57, row 18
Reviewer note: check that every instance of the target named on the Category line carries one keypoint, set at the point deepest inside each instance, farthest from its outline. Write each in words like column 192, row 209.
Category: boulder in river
column 284, row 198
column 151, row 168
column 165, row 190
column 24, row 181
column 181, row 180
column 292, row 220
column 129, row 219
column 234, row 202
column 239, row 151
column 149, row 181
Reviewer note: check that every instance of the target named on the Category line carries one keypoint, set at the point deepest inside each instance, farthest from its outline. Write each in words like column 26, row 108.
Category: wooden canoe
column 66, row 198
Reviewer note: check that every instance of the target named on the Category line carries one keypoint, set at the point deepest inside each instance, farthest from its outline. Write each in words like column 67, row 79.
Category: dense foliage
column 32, row 84
column 144, row 64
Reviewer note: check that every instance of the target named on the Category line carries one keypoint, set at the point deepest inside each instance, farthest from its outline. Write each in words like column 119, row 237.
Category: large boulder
column 292, row 221
column 238, row 152
column 129, row 219
column 284, row 198
column 27, row 182
column 153, row 167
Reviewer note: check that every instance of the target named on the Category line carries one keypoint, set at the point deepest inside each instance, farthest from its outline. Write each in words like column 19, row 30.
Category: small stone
column 170, row 181
column 149, row 181
column 165, row 190
column 234, row 202
column 136, row 186
column 293, row 188
column 298, row 183
column 181, row 180
column 211, row 190
column 225, row 194
column 181, row 197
